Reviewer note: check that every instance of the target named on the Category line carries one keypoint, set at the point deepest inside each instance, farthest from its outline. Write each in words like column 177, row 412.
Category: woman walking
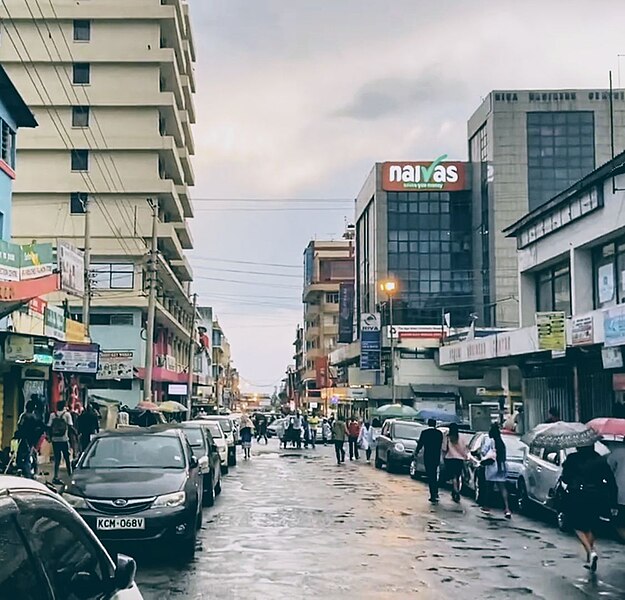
column 454, row 453
column 493, row 454
column 366, row 439
column 245, row 431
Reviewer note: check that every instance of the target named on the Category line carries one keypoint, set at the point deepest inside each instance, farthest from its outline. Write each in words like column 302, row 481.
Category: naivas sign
column 423, row 176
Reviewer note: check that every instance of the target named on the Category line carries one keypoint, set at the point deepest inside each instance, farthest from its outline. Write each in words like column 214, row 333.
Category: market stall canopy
column 561, row 435
column 147, row 405
column 172, row 407
column 391, row 411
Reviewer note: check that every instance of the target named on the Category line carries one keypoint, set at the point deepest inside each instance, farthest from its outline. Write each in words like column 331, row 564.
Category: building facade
column 525, row 147
column 114, row 139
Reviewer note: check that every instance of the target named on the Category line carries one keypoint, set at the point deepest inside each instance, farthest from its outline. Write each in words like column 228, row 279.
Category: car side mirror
column 193, row 462
column 203, row 462
column 85, row 585
column 125, row 571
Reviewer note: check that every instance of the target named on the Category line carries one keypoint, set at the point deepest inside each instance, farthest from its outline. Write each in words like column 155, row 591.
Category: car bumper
column 223, row 455
column 401, row 458
column 161, row 525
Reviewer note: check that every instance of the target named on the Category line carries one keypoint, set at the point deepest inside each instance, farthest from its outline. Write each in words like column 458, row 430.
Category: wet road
column 292, row 524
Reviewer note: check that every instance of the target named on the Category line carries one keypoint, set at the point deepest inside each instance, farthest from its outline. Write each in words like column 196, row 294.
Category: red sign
column 424, row 176
column 321, row 368
column 37, row 305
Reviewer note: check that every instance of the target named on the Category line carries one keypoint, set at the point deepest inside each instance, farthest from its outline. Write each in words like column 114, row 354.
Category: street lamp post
column 390, row 287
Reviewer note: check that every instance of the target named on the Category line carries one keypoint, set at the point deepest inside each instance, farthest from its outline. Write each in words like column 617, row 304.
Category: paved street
column 292, row 524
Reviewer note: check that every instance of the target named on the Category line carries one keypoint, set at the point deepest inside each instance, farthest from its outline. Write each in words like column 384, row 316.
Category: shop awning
column 14, row 294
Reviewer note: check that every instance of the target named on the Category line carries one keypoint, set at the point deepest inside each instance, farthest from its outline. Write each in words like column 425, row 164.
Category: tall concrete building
column 111, row 84
column 526, row 147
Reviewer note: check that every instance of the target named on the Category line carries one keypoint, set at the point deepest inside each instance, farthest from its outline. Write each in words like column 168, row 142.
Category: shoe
column 507, row 514
column 433, row 500
column 594, row 559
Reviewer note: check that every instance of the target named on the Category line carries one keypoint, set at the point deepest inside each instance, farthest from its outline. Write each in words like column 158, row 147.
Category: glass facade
column 429, row 253
column 560, row 151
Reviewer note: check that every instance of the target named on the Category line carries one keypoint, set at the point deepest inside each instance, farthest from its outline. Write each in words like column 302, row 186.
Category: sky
column 297, row 99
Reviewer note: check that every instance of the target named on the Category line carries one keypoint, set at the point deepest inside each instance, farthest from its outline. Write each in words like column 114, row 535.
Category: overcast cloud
column 298, row 99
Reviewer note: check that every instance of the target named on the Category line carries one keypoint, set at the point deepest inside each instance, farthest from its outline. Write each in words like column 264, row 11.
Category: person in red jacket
column 353, row 430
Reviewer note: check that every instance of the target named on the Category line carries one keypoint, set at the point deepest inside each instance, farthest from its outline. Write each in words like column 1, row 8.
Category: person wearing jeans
column 431, row 440
column 339, row 433
column 353, row 430
column 59, row 426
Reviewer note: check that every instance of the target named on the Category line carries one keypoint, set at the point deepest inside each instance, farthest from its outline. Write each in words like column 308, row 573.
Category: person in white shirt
column 59, row 426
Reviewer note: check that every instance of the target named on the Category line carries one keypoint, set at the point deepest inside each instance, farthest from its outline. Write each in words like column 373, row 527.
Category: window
column 609, row 274
column 82, row 30
column 553, row 289
column 62, row 544
column 114, row 276
column 80, row 160
column 8, row 145
column 81, row 73
column 111, row 319
column 18, row 576
column 332, row 297
column 80, row 116
column 77, row 202
column 336, row 270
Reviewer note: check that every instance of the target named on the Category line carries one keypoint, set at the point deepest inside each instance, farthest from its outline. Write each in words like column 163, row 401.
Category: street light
column 389, row 287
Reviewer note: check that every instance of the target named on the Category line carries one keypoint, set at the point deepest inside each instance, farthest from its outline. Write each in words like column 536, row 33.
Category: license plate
column 112, row 523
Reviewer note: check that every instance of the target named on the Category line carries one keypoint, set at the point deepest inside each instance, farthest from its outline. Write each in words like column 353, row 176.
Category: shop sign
column 36, row 261
column 321, row 370
column 54, row 322
column 614, row 326
column 581, row 331
column 71, row 263
column 346, row 313
column 38, row 306
column 74, row 331
column 406, row 332
column 370, row 342
column 9, row 261
column 76, row 358
column 424, row 176
column 551, row 328
column 612, row 358
column 19, row 348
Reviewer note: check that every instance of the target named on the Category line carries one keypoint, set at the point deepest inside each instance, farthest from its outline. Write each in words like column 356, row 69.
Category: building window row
column 553, row 289
column 8, row 144
column 111, row 319
column 79, row 160
column 332, row 298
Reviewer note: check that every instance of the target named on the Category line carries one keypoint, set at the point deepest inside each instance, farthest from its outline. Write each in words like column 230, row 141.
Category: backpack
column 59, row 425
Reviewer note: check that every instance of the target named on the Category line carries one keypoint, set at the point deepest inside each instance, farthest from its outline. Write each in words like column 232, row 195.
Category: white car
column 45, row 543
column 219, row 437
column 229, row 427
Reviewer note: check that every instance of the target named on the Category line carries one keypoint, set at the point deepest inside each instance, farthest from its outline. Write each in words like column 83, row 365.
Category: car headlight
column 399, row 447
column 170, row 500
column 75, row 501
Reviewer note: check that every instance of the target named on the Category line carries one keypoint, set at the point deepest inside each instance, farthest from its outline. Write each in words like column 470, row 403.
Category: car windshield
column 135, row 452
column 195, row 437
column 514, row 447
column 407, row 432
column 226, row 425
column 215, row 430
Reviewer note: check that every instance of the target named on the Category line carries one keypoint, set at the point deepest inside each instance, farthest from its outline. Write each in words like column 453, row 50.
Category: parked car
column 207, row 453
column 49, row 552
column 219, row 439
column 538, row 480
column 473, row 480
column 230, row 430
column 140, row 485
column 273, row 428
column 396, row 444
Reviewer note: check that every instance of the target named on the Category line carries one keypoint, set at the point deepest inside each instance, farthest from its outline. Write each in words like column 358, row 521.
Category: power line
column 264, row 273
column 246, row 262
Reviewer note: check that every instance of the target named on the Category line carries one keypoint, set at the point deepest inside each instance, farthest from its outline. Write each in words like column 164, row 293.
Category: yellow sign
column 551, row 330
column 74, row 331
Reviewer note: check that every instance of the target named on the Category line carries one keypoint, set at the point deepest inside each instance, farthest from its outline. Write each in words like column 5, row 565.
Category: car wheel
column 378, row 461
column 413, row 471
column 218, row 488
column 187, row 547
column 208, row 498
column 523, row 500
column 225, row 469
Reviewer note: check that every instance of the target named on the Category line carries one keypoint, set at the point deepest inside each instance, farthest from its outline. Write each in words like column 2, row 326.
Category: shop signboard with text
column 23, row 263
column 551, row 328
column 116, row 365
column 614, row 326
column 582, row 330
column 436, row 175
column 370, row 342
column 346, row 313
column 71, row 263
column 75, row 358
column 54, row 322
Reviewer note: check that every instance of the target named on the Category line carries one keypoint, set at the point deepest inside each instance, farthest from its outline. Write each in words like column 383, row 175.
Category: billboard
column 370, row 342
column 551, row 328
column 116, row 365
column 437, row 175
column 23, row 263
column 75, row 358
column 71, row 262
column 346, row 313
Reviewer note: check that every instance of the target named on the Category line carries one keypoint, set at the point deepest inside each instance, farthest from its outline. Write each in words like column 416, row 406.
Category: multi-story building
column 111, row 84
column 526, row 147
column 327, row 264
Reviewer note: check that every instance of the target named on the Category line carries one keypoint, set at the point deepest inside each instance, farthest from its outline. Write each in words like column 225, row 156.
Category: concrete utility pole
column 149, row 338
column 86, row 299
column 191, row 359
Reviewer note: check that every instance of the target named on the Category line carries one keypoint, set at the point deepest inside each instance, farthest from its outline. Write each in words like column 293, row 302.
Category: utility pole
column 392, row 331
column 191, row 358
column 149, row 338
column 86, row 299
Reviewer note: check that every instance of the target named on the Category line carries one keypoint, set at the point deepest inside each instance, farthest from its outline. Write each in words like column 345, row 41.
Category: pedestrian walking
column 245, row 431
column 30, row 428
column 339, row 434
column 313, row 424
column 326, row 432
column 454, row 454
column 59, row 426
column 431, row 441
column 305, row 430
column 616, row 461
column 261, row 428
column 88, row 424
column 366, row 439
column 493, row 452
column 297, row 424
column 353, row 431
column 591, row 491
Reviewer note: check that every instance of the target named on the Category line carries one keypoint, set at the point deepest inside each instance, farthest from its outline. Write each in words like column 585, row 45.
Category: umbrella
column 172, row 407
column 391, row 411
column 561, row 435
column 608, row 426
column 440, row 415
column 147, row 405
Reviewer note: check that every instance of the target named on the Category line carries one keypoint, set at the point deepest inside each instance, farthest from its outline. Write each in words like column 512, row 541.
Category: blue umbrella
column 440, row 415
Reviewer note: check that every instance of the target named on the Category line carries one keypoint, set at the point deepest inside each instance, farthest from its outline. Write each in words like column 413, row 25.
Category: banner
column 76, row 358
column 116, row 365
column 614, row 326
column 74, row 331
column 551, row 330
column 22, row 263
column 346, row 313
column 71, row 263
column 321, row 371
column 54, row 322
column 370, row 342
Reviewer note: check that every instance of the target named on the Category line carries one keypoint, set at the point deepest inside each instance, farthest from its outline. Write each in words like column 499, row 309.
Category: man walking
column 87, row 424
column 354, row 431
column 339, row 433
column 431, row 440
column 297, row 429
column 313, row 423
column 261, row 428
column 59, row 426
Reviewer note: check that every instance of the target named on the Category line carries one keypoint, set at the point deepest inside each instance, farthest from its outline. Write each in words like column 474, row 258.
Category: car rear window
column 407, row 432
column 215, row 430
column 195, row 437
column 226, row 425
column 135, row 452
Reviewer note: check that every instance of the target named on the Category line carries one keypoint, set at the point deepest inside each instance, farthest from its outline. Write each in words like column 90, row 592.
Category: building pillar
column 581, row 281
column 527, row 299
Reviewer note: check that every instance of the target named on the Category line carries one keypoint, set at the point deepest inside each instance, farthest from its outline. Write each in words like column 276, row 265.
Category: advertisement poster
column 581, row 331
column 346, row 313
column 71, row 262
column 614, row 326
column 370, row 342
column 605, row 281
column 76, row 358
column 116, row 365
column 551, row 330
column 54, row 322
